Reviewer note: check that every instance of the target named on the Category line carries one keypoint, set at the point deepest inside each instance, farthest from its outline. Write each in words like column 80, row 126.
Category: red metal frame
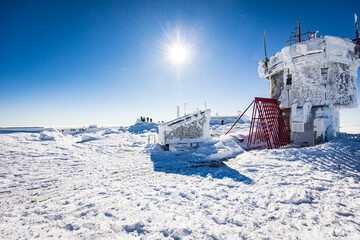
column 267, row 124
column 296, row 38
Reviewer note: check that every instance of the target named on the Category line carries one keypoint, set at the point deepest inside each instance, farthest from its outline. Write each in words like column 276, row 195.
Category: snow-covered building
column 187, row 131
column 313, row 80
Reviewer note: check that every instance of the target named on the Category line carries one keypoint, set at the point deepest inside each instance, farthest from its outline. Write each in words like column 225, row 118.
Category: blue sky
column 104, row 62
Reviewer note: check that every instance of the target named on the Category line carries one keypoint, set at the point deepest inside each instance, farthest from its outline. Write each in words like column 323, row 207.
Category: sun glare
column 178, row 54
column 179, row 49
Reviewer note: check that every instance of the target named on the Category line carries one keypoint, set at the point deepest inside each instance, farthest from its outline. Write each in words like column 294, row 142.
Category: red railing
column 296, row 38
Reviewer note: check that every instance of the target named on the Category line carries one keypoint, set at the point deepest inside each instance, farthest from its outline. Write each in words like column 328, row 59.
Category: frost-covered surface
column 190, row 128
column 109, row 184
column 323, row 70
column 142, row 127
column 311, row 77
column 326, row 123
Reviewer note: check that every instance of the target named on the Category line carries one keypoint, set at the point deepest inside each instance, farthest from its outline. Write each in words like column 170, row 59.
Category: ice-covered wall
column 322, row 69
column 326, row 124
column 190, row 128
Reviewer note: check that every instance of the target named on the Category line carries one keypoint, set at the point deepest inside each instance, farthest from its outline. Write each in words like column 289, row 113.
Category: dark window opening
column 324, row 75
column 289, row 79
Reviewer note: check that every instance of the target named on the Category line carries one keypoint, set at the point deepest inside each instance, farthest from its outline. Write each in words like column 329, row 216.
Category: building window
column 289, row 80
column 324, row 76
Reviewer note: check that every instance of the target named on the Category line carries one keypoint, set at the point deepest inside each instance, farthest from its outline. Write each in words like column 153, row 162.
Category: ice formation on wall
column 322, row 69
column 317, row 75
column 326, row 123
column 187, row 131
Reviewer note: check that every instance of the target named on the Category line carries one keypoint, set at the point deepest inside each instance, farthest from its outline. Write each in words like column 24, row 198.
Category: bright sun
column 178, row 54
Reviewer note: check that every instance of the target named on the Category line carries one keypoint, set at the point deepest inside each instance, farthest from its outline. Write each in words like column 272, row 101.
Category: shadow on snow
column 343, row 157
column 193, row 162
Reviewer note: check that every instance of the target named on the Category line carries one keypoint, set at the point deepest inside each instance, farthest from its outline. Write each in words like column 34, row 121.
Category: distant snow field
column 113, row 184
column 353, row 128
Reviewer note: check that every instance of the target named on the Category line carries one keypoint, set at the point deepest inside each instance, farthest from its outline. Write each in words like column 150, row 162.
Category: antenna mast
column 299, row 29
column 265, row 45
column 357, row 39
column 266, row 58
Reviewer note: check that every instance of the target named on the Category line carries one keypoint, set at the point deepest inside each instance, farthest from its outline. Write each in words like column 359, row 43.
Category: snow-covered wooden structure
column 187, row 131
column 312, row 80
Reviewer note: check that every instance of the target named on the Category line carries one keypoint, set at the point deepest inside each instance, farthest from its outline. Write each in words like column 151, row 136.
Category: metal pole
column 299, row 31
column 239, row 117
column 265, row 44
column 356, row 31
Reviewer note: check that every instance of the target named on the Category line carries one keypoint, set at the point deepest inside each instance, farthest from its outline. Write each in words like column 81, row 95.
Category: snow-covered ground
column 112, row 184
column 353, row 128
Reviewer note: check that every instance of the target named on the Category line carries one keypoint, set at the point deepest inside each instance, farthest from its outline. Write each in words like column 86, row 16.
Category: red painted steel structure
column 267, row 124
column 296, row 37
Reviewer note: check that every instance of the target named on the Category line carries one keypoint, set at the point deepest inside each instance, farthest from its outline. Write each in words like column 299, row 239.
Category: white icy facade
column 312, row 80
column 187, row 131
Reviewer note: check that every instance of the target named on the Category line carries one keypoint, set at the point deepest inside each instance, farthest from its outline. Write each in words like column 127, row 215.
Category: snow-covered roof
column 330, row 48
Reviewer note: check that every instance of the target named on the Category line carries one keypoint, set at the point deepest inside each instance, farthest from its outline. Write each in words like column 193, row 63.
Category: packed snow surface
column 112, row 184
